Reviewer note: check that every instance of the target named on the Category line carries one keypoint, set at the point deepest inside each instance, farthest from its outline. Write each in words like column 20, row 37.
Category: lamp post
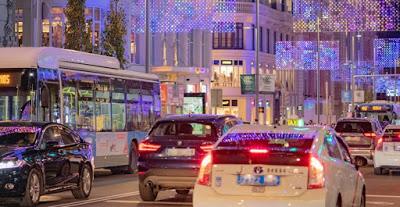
column 147, row 35
column 318, row 69
column 257, row 66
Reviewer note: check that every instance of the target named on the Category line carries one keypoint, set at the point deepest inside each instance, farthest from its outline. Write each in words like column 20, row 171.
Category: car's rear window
column 391, row 135
column 286, row 142
column 180, row 130
column 353, row 127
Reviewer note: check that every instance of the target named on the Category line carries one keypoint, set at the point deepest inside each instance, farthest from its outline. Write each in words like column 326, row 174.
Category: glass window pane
column 69, row 82
column 118, row 105
column 103, row 107
column 85, row 119
column 133, row 107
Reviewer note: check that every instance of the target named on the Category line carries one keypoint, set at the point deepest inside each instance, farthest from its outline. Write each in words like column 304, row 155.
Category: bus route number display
column 9, row 79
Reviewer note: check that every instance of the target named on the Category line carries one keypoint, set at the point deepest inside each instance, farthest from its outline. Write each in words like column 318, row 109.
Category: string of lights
column 345, row 15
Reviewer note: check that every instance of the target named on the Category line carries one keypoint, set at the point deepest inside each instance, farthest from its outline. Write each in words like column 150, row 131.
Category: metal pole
column 147, row 35
column 318, row 70
column 352, row 90
column 257, row 67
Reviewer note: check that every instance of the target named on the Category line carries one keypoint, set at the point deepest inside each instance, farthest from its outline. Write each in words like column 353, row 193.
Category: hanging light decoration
column 387, row 53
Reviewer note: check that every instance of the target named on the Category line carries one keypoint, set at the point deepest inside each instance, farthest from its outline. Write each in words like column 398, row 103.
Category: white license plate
column 258, row 180
column 353, row 139
column 180, row 152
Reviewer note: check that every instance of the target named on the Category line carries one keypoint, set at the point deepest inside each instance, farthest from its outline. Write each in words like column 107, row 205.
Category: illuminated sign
column 376, row 108
column 5, row 79
column 226, row 62
column 364, row 108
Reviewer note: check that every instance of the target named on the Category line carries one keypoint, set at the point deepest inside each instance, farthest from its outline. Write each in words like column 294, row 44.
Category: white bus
column 109, row 107
column 385, row 112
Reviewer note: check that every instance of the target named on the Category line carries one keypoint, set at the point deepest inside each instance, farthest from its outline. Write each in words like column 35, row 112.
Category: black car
column 170, row 157
column 42, row 158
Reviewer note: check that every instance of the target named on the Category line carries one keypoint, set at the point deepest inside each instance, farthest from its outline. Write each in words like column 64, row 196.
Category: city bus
column 110, row 108
column 384, row 112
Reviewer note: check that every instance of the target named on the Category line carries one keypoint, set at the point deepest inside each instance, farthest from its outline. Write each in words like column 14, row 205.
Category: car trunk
column 357, row 134
column 391, row 142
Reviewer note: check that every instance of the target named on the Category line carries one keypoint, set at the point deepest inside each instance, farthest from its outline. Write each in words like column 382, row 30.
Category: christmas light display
column 360, row 68
column 387, row 53
column 185, row 15
column 302, row 55
column 345, row 15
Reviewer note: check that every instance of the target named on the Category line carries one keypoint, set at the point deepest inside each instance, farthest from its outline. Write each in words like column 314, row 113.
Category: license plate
column 353, row 139
column 258, row 180
column 178, row 152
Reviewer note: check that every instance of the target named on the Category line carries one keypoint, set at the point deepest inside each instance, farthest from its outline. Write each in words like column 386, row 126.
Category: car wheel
column 183, row 192
column 33, row 189
column 362, row 202
column 378, row 171
column 85, row 183
column 133, row 160
column 147, row 191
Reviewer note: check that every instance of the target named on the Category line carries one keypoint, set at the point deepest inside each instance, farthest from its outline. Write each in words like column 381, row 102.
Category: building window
column 274, row 4
column 274, row 46
column 287, row 37
column 45, row 32
column 57, row 26
column 19, row 25
column 261, row 39
column 229, row 40
column 283, row 5
column 227, row 73
column 281, row 38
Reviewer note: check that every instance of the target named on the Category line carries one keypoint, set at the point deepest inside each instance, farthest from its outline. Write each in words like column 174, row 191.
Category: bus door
column 49, row 96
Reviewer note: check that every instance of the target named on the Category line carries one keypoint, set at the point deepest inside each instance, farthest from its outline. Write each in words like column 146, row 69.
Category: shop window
column 227, row 75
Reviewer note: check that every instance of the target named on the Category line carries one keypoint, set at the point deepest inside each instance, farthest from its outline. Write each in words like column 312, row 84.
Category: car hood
column 12, row 151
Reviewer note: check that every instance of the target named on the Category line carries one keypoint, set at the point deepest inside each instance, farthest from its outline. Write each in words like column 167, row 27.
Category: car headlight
column 6, row 164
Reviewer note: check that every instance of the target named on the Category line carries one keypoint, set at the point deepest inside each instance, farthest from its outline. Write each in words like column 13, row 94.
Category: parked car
column 387, row 151
column 169, row 158
column 361, row 136
column 42, row 158
column 279, row 166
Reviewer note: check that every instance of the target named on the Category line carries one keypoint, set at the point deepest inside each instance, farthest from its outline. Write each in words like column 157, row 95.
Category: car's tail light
column 371, row 135
column 205, row 171
column 316, row 178
column 258, row 151
column 147, row 147
column 207, row 147
column 379, row 144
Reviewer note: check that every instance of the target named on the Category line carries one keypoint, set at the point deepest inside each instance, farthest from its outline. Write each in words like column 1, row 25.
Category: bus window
column 132, row 105
column 103, row 107
column 17, row 88
column 147, row 105
column 157, row 103
column 49, row 108
column 85, row 118
column 118, row 105
column 70, row 98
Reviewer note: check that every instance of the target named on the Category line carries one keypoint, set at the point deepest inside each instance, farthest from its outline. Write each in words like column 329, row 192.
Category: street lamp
column 257, row 67
column 147, row 35
column 318, row 63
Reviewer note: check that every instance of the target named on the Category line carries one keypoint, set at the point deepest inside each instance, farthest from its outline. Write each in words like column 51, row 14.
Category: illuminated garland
column 185, row 15
column 387, row 53
column 346, row 15
column 302, row 55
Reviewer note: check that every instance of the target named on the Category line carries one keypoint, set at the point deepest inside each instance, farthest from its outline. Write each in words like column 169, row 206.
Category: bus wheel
column 133, row 160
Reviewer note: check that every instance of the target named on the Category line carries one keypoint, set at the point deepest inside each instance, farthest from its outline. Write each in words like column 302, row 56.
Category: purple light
column 387, row 53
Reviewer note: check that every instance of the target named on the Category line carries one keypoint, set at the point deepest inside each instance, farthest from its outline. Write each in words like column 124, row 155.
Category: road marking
column 148, row 202
column 96, row 200
column 381, row 203
column 383, row 196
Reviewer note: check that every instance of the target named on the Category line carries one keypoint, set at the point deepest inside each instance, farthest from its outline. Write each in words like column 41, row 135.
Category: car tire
column 147, row 191
column 33, row 189
column 85, row 183
column 133, row 160
column 183, row 192
column 378, row 171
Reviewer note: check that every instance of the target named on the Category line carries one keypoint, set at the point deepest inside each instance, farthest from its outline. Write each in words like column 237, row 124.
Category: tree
column 77, row 32
column 113, row 41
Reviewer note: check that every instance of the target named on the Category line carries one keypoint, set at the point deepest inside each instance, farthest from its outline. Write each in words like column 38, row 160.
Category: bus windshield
column 17, row 87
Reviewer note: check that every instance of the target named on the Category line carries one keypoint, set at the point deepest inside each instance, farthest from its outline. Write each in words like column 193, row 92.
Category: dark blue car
column 42, row 158
column 170, row 157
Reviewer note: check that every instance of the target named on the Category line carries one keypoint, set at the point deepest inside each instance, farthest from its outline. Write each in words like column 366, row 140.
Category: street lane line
column 383, row 196
column 96, row 200
column 149, row 202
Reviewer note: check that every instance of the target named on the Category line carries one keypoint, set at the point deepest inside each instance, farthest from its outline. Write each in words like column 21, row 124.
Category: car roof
column 251, row 128
column 24, row 124
column 357, row 119
column 392, row 126
column 197, row 117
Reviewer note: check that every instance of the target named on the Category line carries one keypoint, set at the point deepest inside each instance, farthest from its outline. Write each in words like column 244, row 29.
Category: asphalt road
column 122, row 191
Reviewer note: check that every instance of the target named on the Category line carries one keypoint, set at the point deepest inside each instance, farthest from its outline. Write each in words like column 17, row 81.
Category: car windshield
column 18, row 136
column 181, row 130
column 353, row 127
column 284, row 142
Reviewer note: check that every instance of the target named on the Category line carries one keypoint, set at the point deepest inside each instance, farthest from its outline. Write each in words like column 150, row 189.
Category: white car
column 257, row 166
column 387, row 151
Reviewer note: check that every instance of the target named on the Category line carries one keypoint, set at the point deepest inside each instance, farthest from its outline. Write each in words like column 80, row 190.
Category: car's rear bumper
column 204, row 196
column 366, row 153
column 170, row 178
column 386, row 161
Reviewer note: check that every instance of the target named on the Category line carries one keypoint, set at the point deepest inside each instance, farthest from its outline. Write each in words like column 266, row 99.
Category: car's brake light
column 370, row 134
column 206, row 148
column 379, row 145
column 205, row 171
column 147, row 147
column 316, row 178
column 258, row 151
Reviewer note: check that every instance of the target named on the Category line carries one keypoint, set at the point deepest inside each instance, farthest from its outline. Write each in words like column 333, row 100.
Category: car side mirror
column 51, row 144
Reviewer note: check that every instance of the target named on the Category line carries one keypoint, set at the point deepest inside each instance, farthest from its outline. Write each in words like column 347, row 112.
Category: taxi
column 279, row 166
column 387, row 151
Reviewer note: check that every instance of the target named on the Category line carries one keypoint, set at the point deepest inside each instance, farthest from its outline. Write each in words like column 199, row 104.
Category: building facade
column 233, row 55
